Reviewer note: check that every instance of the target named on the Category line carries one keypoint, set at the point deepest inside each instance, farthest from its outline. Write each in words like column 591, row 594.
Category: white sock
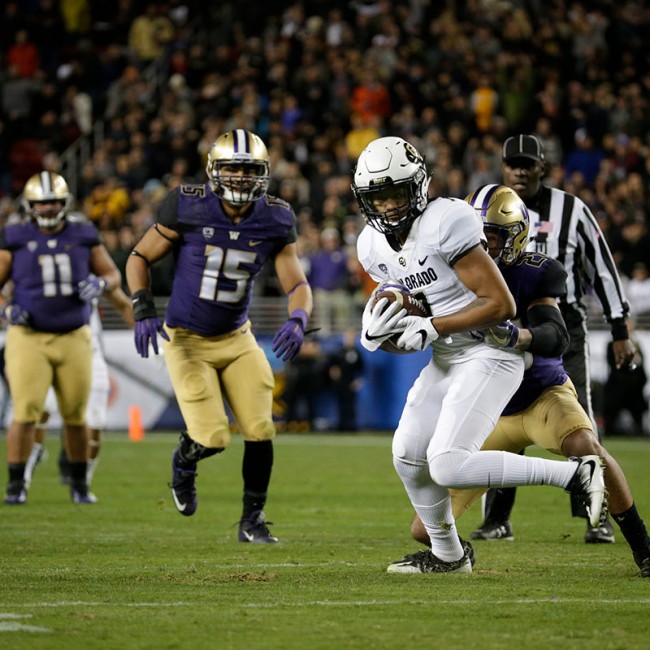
column 32, row 461
column 90, row 469
column 433, row 505
column 461, row 469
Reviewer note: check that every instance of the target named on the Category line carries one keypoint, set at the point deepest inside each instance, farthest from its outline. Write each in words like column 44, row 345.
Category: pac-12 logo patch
column 208, row 232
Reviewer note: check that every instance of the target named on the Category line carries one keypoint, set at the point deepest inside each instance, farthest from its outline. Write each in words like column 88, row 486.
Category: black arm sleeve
column 549, row 332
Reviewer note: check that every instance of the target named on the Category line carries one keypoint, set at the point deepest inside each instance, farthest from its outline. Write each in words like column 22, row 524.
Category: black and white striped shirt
column 563, row 227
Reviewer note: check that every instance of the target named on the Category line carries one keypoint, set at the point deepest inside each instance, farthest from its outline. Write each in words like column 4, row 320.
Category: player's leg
column 508, row 435
column 576, row 364
column 71, row 383
column 38, row 453
column 97, row 410
column 469, row 413
column 248, row 385
column 195, row 380
column 29, row 375
column 621, row 502
column 431, row 502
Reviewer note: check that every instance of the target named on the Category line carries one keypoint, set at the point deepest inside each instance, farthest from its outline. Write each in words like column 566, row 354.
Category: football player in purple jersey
column 545, row 410
column 57, row 268
column 221, row 233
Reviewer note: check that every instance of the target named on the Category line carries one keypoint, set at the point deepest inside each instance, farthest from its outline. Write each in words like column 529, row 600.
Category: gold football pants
column 205, row 371
column 37, row 360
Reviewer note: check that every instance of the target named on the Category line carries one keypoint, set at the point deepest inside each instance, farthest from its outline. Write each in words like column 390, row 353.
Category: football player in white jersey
column 97, row 409
column 437, row 250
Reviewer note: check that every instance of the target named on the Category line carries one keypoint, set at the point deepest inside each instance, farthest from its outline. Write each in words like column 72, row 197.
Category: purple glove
column 289, row 338
column 503, row 335
column 145, row 331
column 13, row 314
column 90, row 288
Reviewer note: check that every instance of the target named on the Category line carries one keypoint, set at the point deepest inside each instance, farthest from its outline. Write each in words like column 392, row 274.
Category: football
column 414, row 306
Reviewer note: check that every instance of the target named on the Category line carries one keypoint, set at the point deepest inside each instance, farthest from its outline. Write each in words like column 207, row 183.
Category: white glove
column 378, row 325
column 419, row 333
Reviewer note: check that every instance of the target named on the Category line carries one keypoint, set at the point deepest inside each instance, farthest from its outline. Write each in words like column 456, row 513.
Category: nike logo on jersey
column 254, row 242
column 423, row 260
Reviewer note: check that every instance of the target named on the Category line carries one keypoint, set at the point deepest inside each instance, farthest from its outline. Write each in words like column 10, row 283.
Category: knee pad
column 445, row 466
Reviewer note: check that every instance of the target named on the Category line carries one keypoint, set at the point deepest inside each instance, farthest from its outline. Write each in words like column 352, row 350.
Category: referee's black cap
column 523, row 146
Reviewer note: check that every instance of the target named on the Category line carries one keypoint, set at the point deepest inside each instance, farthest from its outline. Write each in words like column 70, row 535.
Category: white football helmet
column 390, row 169
column 243, row 149
column 46, row 187
column 504, row 213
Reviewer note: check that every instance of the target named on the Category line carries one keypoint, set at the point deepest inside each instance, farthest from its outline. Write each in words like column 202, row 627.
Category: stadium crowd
column 147, row 86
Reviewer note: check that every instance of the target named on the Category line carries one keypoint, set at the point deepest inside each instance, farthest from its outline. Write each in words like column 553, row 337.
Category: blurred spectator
column 362, row 132
column 150, row 33
column 370, row 97
column 484, row 101
column 585, row 158
column 23, row 54
column 345, row 374
column 328, row 277
column 303, row 386
column 637, row 290
column 107, row 203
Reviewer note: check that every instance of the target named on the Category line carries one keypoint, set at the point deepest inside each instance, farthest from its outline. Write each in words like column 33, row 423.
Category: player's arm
column 289, row 338
column 293, row 280
column 122, row 305
column 156, row 243
column 493, row 303
column 546, row 334
column 103, row 266
column 598, row 265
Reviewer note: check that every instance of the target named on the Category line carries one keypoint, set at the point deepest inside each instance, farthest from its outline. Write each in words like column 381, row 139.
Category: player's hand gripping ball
column 395, row 292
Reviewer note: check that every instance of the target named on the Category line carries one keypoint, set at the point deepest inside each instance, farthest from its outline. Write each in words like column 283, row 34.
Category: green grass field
column 130, row 572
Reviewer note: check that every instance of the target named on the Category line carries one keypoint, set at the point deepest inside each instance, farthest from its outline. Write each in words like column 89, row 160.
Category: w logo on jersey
column 208, row 233
column 233, row 235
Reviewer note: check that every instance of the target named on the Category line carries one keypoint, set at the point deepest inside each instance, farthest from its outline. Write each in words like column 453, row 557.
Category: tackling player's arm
column 493, row 303
column 546, row 333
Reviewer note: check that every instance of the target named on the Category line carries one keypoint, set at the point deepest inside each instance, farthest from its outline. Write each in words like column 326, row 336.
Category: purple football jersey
column 535, row 276
column 46, row 269
column 216, row 259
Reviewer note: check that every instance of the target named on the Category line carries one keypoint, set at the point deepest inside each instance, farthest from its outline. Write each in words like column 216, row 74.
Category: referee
column 563, row 227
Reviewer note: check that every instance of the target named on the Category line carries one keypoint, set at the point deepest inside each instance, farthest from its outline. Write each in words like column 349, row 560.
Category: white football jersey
column 447, row 230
